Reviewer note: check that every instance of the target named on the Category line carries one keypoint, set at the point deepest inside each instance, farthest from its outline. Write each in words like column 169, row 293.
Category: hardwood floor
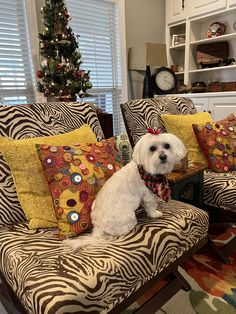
column 2, row 309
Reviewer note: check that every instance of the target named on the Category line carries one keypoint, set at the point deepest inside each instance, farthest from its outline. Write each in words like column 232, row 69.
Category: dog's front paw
column 155, row 214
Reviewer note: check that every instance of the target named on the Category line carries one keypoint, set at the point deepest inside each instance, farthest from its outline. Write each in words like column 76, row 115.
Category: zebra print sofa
column 40, row 276
column 219, row 190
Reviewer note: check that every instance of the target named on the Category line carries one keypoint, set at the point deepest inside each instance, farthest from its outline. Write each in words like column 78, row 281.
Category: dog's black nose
column 163, row 157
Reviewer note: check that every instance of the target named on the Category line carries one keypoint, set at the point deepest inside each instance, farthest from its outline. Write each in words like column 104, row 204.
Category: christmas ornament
column 59, row 66
column 67, row 15
column 44, row 63
column 39, row 74
column 88, row 85
column 81, row 94
column 46, row 92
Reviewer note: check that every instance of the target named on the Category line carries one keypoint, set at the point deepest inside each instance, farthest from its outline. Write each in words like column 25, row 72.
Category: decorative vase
column 148, row 91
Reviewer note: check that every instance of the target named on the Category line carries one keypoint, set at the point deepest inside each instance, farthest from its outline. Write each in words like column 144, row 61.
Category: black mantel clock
column 164, row 80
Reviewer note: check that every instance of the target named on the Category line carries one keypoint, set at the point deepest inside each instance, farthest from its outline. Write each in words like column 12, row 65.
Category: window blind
column 97, row 24
column 16, row 71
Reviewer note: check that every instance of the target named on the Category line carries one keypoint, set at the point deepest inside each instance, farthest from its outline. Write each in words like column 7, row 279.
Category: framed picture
column 178, row 39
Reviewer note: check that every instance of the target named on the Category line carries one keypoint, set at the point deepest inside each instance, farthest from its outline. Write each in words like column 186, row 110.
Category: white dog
column 141, row 180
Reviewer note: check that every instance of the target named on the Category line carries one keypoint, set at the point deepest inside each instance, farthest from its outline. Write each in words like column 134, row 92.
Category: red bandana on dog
column 157, row 183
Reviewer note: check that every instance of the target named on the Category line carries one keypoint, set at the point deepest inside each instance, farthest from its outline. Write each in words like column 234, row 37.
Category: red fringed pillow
column 75, row 174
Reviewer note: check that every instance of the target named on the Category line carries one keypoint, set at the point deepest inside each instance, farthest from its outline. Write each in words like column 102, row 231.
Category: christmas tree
column 60, row 73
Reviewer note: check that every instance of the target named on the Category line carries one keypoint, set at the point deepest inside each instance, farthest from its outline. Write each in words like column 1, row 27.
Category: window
column 16, row 71
column 99, row 24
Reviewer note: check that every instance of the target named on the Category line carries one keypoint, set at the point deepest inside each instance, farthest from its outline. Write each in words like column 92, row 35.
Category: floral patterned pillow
column 75, row 174
column 218, row 143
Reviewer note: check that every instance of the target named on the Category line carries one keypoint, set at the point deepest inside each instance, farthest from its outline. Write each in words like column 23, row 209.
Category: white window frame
column 117, row 117
column 124, row 66
column 29, row 10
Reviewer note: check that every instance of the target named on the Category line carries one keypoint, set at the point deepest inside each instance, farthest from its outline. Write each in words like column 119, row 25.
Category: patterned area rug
column 213, row 282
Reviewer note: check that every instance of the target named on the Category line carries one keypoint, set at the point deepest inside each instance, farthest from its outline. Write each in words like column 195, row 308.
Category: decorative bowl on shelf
column 216, row 29
column 198, row 87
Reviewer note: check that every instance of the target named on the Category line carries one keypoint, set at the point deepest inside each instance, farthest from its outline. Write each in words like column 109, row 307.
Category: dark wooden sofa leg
column 9, row 306
column 166, row 293
column 185, row 285
column 225, row 251
column 9, row 299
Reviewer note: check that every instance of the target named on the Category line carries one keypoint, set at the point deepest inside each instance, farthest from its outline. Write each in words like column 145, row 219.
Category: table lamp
column 144, row 58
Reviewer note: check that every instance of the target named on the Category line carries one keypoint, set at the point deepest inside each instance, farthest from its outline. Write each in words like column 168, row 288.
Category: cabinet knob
column 183, row 4
column 209, row 111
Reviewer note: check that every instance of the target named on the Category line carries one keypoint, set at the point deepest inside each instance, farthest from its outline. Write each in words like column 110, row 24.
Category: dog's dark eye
column 153, row 148
column 166, row 146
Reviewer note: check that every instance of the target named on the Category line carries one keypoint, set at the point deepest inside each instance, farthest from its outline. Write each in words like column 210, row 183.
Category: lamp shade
column 152, row 54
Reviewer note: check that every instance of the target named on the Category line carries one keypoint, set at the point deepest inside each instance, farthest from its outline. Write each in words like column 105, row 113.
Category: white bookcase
column 193, row 18
column 195, row 25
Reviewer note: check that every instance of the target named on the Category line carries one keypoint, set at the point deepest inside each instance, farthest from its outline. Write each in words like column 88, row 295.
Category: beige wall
column 145, row 22
column 39, row 5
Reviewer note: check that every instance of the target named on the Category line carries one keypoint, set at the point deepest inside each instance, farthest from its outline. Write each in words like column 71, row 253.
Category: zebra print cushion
column 40, row 119
column 220, row 190
column 50, row 278
column 141, row 114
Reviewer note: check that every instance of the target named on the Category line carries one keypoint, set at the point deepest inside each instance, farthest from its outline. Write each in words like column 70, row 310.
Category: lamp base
column 148, row 91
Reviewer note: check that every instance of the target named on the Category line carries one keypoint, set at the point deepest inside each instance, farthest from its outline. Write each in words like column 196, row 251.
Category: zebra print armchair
column 219, row 193
column 40, row 276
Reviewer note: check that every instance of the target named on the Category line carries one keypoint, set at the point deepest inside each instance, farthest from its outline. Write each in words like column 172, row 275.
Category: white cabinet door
column 206, row 6
column 221, row 107
column 175, row 10
column 201, row 104
column 231, row 3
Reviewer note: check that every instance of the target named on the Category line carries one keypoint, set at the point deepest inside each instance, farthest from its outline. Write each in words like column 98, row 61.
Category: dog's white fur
column 113, row 211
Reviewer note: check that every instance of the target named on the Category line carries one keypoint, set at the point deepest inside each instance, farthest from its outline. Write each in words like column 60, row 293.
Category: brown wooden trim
column 178, row 176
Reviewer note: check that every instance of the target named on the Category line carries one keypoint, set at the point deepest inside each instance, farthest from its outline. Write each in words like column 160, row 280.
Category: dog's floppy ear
column 179, row 148
column 137, row 156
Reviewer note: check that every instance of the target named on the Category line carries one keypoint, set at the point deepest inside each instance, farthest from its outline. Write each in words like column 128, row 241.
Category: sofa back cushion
column 140, row 114
column 35, row 120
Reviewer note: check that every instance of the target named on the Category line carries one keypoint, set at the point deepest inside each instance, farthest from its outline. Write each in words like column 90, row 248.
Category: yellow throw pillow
column 181, row 126
column 31, row 184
